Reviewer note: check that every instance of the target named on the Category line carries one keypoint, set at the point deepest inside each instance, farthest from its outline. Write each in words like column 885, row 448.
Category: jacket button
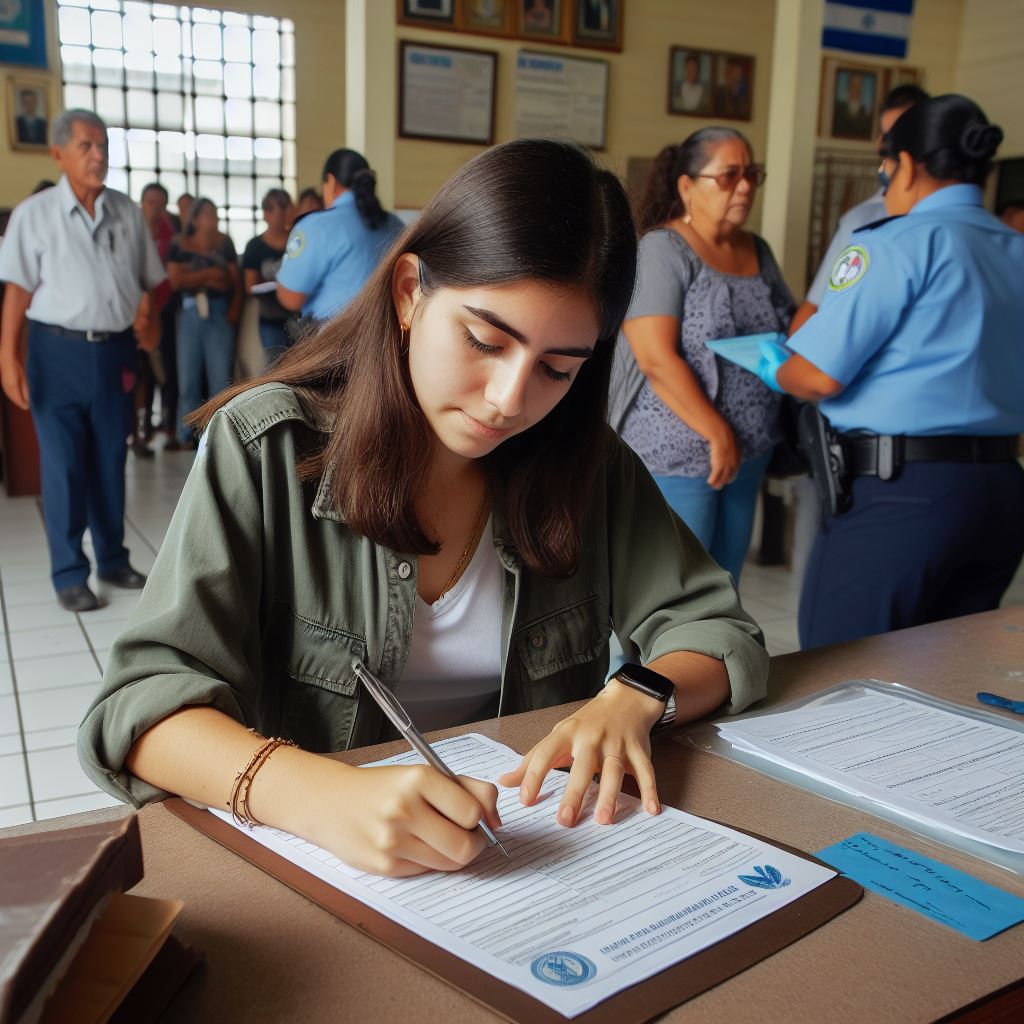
column 537, row 640
column 404, row 570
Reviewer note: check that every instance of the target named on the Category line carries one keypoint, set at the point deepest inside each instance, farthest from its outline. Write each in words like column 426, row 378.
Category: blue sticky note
column 744, row 351
column 932, row 888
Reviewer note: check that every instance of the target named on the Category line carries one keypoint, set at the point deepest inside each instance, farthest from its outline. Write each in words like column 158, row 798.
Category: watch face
column 647, row 681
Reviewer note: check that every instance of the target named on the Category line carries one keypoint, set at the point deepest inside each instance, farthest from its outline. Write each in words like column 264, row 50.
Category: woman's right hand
column 218, row 279
column 725, row 457
column 398, row 820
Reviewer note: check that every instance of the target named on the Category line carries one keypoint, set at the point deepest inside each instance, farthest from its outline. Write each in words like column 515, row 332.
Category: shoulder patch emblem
column 851, row 266
column 295, row 245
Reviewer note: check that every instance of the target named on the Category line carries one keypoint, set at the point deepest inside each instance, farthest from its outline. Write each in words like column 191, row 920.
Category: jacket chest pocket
column 564, row 655
column 317, row 688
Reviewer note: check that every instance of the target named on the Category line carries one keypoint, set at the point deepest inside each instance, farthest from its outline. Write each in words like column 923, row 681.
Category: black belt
column 64, row 332
column 882, row 455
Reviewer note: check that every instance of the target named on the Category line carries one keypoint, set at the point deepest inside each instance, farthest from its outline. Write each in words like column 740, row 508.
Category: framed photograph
column 489, row 16
column 439, row 13
column 690, row 82
column 734, row 87
column 23, row 33
column 28, row 113
column 446, row 93
column 598, row 23
column 539, row 19
column 849, row 98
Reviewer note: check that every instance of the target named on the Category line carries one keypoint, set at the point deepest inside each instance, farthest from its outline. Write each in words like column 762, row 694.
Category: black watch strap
column 655, row 685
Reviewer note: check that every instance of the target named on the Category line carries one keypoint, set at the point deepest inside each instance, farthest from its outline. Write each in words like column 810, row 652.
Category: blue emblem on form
column 766, row 877
column 563, row 969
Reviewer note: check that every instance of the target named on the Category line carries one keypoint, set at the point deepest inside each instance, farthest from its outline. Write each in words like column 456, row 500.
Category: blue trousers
column 274, row 341
column 206, row 357
column 941, row 540
column 80, row 394
column 721, row 520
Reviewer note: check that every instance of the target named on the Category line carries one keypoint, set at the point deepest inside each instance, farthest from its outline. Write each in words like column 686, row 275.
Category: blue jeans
column 721, row 520
column 81, row 402
column 206, row 353
column 274, row 341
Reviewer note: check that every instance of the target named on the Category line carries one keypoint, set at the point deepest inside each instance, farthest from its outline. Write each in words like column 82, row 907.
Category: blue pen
column 1016, row 706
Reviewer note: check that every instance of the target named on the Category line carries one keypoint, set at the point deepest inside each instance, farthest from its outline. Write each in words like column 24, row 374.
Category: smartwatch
column 654, row 685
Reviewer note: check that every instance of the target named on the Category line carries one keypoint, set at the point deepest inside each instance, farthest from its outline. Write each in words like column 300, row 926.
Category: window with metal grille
column 202, row 101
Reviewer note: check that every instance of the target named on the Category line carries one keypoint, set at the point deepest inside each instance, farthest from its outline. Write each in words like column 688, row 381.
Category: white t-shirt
column 453, row 675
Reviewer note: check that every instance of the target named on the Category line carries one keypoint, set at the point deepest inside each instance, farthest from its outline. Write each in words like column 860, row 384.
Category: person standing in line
column 331, row 254
column 79, row 263
column 184, row 204
column 896, row 102
column 915, row 361
column 260, row 263
column 703, row 426
column 203, row 266
column 309, row 201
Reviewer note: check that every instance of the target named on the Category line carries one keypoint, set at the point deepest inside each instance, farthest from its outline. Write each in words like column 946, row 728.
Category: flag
column 881, row 27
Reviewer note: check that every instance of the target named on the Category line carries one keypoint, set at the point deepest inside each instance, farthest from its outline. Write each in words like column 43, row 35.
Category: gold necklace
column 474, row 537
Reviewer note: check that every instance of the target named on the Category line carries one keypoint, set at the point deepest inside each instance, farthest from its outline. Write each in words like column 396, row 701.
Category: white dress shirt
column 84, row 274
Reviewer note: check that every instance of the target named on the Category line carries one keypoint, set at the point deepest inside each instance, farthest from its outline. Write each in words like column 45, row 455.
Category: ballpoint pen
column 1016, row 706
column 403, row 723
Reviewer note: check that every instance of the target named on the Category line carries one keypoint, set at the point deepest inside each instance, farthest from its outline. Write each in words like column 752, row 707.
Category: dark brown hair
column 660, row 200
column 531, row 209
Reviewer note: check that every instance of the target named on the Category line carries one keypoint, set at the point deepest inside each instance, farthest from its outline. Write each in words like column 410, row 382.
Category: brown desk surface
column 273, row 956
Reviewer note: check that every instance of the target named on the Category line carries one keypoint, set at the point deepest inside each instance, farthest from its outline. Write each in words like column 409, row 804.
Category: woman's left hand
column 610, row 735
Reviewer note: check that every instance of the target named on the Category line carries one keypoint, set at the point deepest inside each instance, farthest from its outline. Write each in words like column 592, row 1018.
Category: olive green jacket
column 261, row 599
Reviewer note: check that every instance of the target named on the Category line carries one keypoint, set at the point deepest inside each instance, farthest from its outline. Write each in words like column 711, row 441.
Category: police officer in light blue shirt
column 917, row 360
column 330, row 254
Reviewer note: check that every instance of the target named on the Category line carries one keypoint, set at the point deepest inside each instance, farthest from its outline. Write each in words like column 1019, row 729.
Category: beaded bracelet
column 238, row 804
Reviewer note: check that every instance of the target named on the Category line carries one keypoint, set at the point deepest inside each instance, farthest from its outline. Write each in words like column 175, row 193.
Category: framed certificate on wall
column 446, row 93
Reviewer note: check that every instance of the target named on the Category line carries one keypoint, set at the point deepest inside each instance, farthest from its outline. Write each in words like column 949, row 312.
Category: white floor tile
column 103, row 634
column 10, row 744
column 23, row 572
column 11, row 816
column 13, row 784
column 6, row 686
column 8, row 717
column 32, row 593
column 46, row 739
column 63, row 670
column 54, row 710
column 56, row 773
column 35, row 616
column 75, row 805
column 47, row 642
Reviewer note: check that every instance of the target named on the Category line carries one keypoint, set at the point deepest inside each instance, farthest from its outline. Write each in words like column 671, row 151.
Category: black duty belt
column 882, row 455
column 65, row 332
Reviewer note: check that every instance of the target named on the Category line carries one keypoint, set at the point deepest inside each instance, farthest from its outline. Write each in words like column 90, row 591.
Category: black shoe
column 78, row 598
column 125, row 577
column 140, row 451
column 172, row 445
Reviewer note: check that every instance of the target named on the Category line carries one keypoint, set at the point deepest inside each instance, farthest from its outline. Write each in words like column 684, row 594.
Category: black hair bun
column 979, row 141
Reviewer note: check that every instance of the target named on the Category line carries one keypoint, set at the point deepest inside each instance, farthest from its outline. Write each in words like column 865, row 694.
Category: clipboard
column 634, row 1005
column 744, row 351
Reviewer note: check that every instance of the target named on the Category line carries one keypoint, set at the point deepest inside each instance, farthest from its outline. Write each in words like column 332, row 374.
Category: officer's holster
column 829, row 466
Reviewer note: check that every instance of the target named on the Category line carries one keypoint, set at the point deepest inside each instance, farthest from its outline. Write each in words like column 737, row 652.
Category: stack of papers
column 574, row 915
column 938, row 768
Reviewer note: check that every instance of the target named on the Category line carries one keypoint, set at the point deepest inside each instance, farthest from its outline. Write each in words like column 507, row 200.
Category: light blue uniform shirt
column 923, row 323
column 330, row 254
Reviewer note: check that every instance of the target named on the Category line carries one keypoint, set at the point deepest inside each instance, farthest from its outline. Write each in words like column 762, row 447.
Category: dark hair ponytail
column 351, row 170
column 660, row 201
column 949, row 136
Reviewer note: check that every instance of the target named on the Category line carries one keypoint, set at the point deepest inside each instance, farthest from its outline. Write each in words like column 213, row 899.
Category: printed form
column 936, row 766
column 574, row 915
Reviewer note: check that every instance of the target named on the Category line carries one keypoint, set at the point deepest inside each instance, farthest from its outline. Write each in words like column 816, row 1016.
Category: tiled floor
column 51, row 661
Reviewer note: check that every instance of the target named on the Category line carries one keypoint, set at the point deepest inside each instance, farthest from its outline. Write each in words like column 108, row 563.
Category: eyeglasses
column 729, row 179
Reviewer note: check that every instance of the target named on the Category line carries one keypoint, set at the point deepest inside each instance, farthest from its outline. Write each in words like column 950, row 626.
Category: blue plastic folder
column 745, row 351
column 951, row 897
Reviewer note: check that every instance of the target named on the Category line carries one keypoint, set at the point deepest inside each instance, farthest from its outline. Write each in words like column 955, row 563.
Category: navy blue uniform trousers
column 80, row 394
column 943, row 539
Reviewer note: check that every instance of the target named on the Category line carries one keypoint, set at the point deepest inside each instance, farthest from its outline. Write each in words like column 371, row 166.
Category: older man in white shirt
column 79, row 263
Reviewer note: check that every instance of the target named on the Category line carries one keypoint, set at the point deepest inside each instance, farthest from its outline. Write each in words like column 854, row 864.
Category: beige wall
column 991, row 65
column 319, row 88
column 637, row 122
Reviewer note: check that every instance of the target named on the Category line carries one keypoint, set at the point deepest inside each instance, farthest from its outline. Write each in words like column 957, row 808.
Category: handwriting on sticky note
column 941, row 892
